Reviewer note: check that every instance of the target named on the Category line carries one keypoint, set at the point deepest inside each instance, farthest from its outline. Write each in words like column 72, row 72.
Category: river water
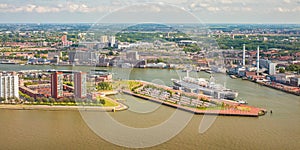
column 22, row 129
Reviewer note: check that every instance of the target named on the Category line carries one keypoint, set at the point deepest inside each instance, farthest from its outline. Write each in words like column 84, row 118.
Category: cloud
column 3, row 6
column 287, row 10
column 209, row 6
column 226, row 1
column 213, row 9
column 71, row 7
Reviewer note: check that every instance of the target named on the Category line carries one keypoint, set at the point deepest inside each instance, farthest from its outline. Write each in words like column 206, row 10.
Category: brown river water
column 23, row 129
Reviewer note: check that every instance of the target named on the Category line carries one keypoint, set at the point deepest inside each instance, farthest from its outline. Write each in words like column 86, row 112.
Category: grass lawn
column 109, row 103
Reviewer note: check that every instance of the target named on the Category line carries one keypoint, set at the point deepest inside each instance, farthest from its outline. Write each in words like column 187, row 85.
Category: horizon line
column 256, row 23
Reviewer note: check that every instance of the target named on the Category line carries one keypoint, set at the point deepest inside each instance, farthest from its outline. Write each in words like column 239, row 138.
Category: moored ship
column 202, row 86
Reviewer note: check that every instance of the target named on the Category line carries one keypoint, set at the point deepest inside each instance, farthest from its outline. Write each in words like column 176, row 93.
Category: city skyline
column 86, row 11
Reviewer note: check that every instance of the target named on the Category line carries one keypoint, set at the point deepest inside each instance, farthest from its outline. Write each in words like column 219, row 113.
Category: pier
column 253, row 112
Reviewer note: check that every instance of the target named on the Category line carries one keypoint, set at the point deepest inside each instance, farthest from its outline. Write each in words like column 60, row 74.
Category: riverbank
column 119, row 107
column 281, row 87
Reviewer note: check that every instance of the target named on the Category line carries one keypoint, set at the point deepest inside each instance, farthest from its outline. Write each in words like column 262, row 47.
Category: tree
column 293, row 67
column 17, row 100
column 37, row 55
column 51, row 100
column 44, row 99
column 2, row 99
column 102, row 101
column 104, row 86
column 65, row 99
column 281, row 70
column 110, row 53
column 39, row 100
column 31, row 99
column 26, row 97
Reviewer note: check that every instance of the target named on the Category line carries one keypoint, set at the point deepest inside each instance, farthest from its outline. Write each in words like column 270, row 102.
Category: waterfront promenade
column 119, row 107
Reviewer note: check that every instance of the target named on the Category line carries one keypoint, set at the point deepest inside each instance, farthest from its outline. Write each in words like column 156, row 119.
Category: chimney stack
column 244, row 55
column 257, row 62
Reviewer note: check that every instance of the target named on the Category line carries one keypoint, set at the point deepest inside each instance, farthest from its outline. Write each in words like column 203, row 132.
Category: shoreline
column 278, row 89
column 120, row 107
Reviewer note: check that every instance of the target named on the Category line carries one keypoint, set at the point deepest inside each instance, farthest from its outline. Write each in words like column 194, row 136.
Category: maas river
column 22, row 129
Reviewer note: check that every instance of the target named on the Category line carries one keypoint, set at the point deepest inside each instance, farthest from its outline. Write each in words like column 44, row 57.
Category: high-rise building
column 257, row 61
column 57, row 85
column 112, row 41
column 80, row 85
column 64, row 40
column 272, row 68
column 9, row 86
column 104, row 39
column 132, row 56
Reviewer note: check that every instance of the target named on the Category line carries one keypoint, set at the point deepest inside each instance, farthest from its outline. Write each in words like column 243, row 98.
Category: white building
column 272, row 68
column 9, row 86
column 112, row 41
column 283, row 78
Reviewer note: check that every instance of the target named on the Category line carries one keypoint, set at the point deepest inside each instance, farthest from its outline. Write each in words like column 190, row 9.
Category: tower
column 244, row 55
column 57, row 85
column 272, row 68
column 9, row 86
column 112, row 41
column 64, row 40
column 257, row 61
column 80, row 84
column 104, row 39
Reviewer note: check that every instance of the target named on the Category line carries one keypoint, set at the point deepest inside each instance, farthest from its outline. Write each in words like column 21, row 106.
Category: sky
column 175, row 11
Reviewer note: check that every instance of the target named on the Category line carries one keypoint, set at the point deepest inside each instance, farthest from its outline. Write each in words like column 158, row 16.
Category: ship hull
column 193, row 88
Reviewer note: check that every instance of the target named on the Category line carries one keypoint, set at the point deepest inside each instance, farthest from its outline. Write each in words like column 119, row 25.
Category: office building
column 104, row 39
column 272, row 68
column 83, row 57
column 64, row 41
column 9, row 86
column 80, row 90
column 112, row 41
column 132, row 56
column 57, row 85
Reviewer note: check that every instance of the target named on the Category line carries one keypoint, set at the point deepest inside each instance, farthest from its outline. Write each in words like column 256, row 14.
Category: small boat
column 244, row 78
column 242, row 101
column 233, row 77
column 208, row 71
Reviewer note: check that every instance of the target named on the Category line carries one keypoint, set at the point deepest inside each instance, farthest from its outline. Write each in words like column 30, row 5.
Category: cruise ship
column 202, row 86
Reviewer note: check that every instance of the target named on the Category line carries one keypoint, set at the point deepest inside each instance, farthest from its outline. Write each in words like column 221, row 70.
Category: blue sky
column 208, row 11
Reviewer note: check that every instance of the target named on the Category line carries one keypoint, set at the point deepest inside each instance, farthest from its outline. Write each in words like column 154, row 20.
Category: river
column 22, row 129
